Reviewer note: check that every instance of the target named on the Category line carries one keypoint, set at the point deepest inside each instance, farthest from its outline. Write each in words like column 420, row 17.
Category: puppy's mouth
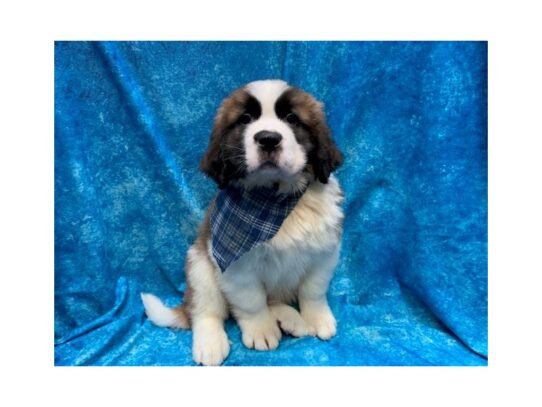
column 269, row 169
column 268, row 165
column 269, row 161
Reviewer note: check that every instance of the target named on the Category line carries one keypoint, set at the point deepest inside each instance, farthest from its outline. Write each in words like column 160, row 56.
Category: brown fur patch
column 325, row 157
column 215, row 161
column 230, row 110
column 309, row 110
column 204, row 234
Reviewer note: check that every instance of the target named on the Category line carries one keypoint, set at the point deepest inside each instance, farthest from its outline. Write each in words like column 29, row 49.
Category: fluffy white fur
column 160, row 314
column 259, row 288
column 297, row 264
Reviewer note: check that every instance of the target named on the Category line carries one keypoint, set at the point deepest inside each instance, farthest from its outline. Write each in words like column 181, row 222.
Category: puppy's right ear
column 214, row 163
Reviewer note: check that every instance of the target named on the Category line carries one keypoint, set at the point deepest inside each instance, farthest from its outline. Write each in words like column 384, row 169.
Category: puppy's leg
column 289, row 319
column 248, row 300
column 312, row 297
column 207, row 309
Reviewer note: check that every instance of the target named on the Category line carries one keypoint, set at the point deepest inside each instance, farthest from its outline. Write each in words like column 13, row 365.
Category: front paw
column 320, row 321
column 260, row 332
column 210, row 345
column 289, row 319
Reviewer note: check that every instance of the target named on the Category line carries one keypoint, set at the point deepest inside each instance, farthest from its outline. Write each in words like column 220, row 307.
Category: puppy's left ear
column 325, row 157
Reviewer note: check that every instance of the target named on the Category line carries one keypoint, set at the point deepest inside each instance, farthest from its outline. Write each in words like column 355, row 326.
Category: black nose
column 268, row 140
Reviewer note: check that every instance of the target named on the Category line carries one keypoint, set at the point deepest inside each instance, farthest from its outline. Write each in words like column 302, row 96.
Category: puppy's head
column 267, row 132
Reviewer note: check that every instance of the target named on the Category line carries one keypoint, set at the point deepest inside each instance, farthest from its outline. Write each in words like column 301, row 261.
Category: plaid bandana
column 242, row 219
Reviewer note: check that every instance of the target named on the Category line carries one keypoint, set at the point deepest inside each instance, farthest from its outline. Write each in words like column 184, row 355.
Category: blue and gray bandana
column 243, row 218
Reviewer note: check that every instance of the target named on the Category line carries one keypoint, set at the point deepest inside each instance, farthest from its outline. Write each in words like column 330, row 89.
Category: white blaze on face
column 291, row 159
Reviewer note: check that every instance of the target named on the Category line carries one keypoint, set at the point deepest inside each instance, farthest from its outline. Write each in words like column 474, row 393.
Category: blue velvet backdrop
column 131, row 123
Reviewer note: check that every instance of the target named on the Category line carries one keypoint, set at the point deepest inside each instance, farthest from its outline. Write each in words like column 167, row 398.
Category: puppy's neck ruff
column 242, row 218
column 294, row 185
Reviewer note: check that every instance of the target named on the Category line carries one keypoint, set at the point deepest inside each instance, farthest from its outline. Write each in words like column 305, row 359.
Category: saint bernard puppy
column 271, row 237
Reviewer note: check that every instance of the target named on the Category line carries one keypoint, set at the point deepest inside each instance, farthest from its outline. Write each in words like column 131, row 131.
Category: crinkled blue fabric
column 132, row 120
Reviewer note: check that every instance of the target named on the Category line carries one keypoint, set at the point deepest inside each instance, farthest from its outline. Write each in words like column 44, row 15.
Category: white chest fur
column 308, row 237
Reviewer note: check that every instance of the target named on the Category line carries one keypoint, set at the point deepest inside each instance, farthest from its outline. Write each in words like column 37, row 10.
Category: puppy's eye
column 292, row 118
column 245, row 118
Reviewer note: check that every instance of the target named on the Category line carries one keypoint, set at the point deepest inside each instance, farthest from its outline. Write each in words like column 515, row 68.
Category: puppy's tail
column 163, row 316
